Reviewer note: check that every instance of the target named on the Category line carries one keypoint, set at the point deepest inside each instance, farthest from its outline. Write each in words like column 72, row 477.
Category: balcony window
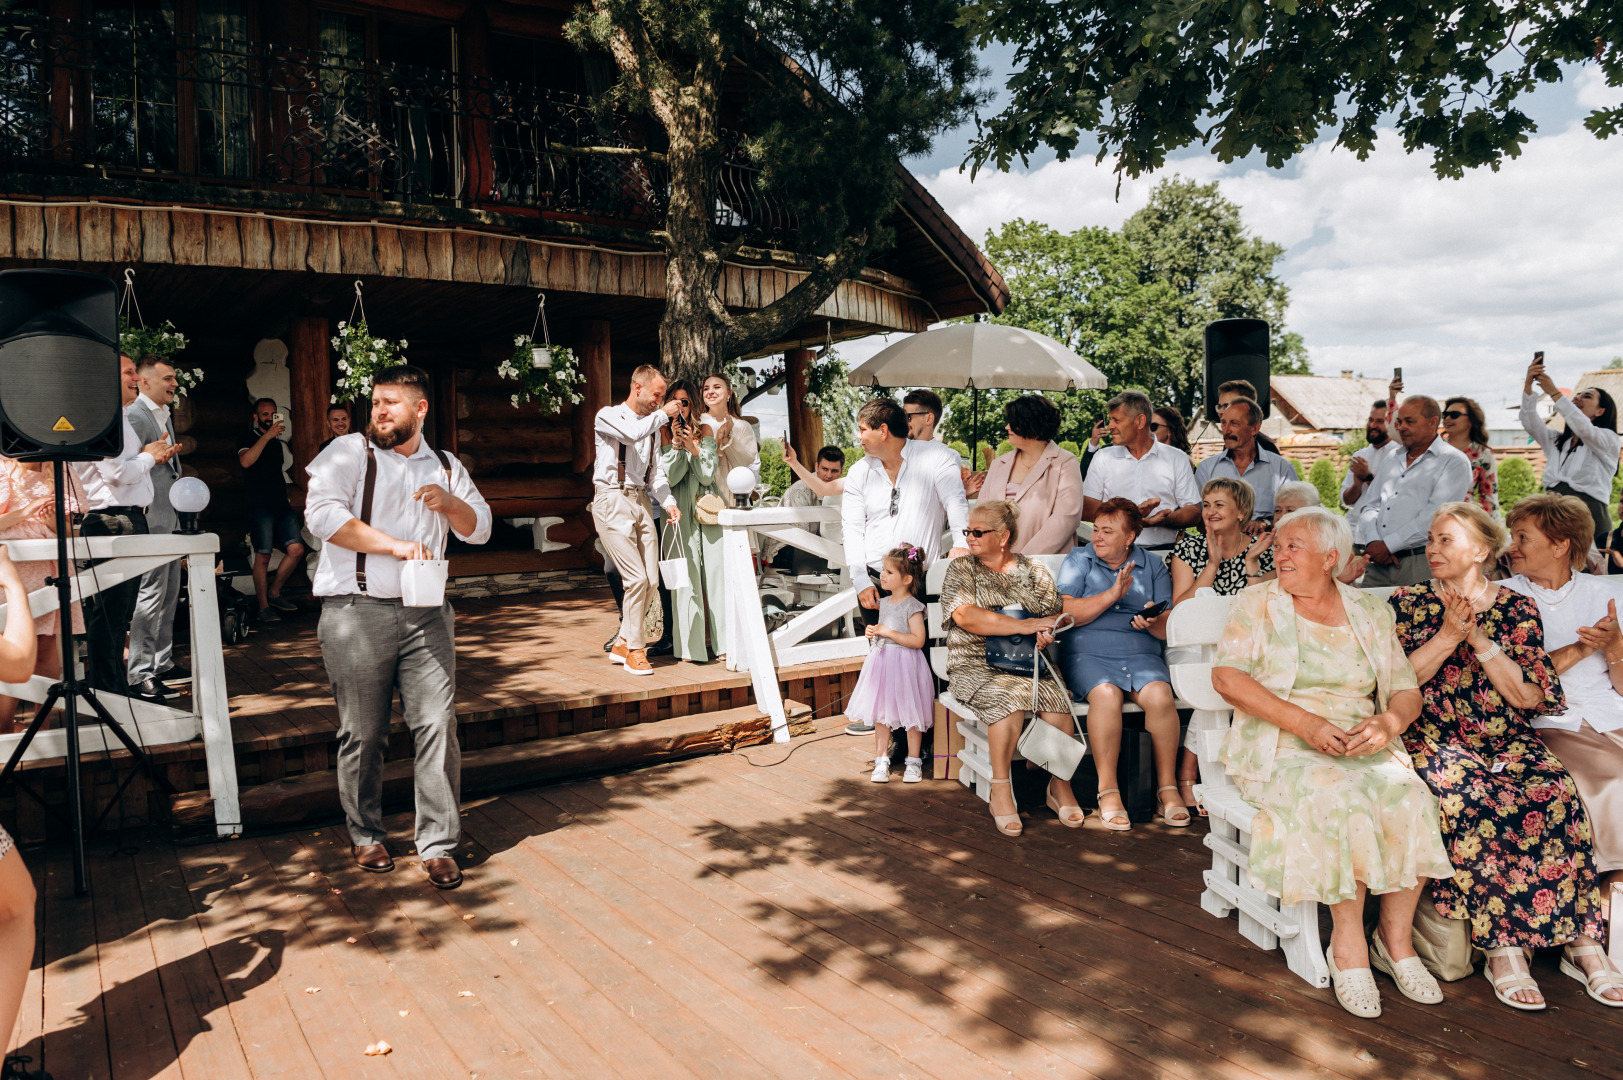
column 134, row 100
column 225, row 120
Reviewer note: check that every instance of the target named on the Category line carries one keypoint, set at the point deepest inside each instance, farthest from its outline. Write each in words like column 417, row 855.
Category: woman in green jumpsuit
column 690, row 466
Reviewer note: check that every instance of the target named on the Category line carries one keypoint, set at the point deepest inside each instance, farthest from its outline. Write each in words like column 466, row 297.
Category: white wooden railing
column 148, row 723
column 749, row 647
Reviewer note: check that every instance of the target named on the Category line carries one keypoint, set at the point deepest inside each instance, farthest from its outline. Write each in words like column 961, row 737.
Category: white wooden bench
column 1195, row 627
column 975, row 759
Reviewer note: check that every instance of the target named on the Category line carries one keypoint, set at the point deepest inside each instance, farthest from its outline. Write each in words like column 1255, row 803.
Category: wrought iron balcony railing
column 140, row 102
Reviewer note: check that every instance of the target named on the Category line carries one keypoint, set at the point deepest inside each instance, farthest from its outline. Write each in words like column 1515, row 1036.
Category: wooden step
column 314, row 795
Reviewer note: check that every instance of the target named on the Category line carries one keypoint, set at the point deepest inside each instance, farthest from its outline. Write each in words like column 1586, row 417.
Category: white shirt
column 1354, row 512
column 1588, row 683
column 1398, row 507
column 1588, row 468
column 1164, row 473
column 159, row 411
column 125, row 480
column 930, row 491
column 337, row 479
column 617, row 425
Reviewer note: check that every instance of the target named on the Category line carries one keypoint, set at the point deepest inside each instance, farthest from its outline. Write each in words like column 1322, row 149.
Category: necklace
column 1486, row 585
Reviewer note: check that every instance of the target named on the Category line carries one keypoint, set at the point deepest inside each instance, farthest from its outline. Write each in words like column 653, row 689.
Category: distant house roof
column 1607, row 379
column 1326, row 404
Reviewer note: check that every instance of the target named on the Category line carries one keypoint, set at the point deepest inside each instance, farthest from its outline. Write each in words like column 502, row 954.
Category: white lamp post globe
column 189, row 496
column 741, row 481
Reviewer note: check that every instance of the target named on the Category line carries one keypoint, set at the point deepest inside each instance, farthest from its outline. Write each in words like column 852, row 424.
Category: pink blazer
column 1050, row 500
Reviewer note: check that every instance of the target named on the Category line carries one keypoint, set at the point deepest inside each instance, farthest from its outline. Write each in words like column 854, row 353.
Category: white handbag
column 1043, row 744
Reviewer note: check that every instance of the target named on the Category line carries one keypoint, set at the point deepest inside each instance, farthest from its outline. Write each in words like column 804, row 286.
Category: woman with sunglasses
column 1582, row 459
column 974, row 595
column 1166, row 424
column 1466, row 429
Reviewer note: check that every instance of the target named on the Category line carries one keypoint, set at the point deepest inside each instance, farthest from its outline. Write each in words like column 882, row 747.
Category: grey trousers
column 1410, row 570
column 372, row 647
column 152, row 628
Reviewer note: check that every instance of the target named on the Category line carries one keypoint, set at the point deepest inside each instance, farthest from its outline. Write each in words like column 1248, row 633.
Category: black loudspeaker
column 1236, row 349
column 60, row 397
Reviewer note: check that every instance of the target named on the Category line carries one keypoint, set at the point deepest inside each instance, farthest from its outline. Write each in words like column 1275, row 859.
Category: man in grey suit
column 152, row 628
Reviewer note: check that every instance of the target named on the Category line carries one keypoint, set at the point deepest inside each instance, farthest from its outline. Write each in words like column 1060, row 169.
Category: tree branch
column 749, row 331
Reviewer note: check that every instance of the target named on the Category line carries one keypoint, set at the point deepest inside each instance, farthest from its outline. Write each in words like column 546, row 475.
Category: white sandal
column 1071, row 820
column 1006, row 822
column 1414, row 981
column 1596, row 985
column 1355, row 989
column 1520, row 978
column 1175, row 822
column 1114, row 820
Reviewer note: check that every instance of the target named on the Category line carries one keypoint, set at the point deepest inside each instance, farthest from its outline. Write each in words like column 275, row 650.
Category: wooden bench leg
column 1304, row 951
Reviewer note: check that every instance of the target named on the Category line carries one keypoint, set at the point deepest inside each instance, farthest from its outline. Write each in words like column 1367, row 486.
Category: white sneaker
column 881, row 770
column 913, row 771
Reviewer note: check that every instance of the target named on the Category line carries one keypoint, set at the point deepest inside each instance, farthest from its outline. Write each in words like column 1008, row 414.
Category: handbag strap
column 1039, row 658
column 680, row 549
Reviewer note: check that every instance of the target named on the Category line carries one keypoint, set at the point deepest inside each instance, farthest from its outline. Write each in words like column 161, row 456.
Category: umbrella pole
column 974, row 429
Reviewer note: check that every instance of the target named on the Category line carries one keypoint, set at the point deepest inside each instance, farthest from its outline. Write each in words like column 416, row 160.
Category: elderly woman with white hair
column 1294, row 495
column 1322, row 693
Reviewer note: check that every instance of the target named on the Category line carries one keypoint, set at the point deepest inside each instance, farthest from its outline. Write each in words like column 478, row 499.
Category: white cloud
column 1459, row 281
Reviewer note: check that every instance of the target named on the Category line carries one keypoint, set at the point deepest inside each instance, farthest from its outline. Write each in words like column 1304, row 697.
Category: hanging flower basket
column 360, row 357
column 160, row 341
column 547, row 375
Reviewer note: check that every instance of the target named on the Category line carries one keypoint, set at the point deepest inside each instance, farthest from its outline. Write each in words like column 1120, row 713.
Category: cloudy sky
column 1459, row 281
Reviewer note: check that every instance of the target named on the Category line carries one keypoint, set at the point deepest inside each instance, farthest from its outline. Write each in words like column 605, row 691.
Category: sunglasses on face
column 1453, row 414
column 1156, row 425
column 978, row 533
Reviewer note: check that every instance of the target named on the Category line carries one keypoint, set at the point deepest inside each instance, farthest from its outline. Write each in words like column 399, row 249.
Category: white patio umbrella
column 979, row 356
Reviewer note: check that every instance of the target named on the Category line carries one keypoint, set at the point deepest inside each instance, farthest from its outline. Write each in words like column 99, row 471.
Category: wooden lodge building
column 251, row 160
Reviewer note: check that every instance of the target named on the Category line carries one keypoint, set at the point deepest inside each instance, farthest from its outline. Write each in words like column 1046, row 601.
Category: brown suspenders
column 620, row 470
column 369, row 488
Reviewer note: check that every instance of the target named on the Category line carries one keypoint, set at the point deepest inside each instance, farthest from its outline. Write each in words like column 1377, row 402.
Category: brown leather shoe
column 637, row 662
column 617, row 652
column 442, row 873
column 373, row 857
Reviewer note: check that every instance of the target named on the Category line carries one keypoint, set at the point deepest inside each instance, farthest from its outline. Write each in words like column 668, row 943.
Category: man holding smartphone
column 272, row 521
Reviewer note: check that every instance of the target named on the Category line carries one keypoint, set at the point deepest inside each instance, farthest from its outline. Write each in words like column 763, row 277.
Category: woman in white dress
column 735, row 438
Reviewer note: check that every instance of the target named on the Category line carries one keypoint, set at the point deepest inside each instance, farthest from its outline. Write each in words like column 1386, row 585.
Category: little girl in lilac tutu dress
column 896, row 689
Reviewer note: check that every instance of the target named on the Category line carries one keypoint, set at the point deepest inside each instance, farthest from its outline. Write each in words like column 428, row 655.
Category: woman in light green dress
column 1322, row 690
column 690, row 465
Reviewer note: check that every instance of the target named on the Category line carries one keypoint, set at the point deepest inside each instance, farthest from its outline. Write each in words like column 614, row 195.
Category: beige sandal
column 1071, row 817
column 1414, row 981
column 1355, row 990
column 1174, row 808
column 1596, row 985
column 1520, row 978
column 1114, row 820
column 1006, row 822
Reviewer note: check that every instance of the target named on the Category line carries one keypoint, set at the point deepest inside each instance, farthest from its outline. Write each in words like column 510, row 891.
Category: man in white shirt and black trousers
column 376, row 499
column 627, row 473
column 118, row 491
column 901, row 492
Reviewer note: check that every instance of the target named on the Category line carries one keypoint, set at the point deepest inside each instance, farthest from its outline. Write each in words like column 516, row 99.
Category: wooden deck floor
column 715, row 919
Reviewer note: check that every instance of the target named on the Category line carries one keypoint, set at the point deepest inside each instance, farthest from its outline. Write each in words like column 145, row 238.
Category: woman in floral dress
column 1516, row 829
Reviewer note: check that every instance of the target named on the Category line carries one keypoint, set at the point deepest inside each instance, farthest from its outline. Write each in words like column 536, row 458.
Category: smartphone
column 279, row 418
column 1155, row 609
column 1397, row 373
column 1538, row 357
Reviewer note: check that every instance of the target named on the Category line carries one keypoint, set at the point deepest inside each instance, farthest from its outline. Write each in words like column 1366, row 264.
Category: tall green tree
column 1148, row 77
column 1191, row 239
column 832, row 94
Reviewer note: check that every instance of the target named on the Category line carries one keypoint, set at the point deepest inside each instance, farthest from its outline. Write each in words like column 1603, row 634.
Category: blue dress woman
column 1114, row 654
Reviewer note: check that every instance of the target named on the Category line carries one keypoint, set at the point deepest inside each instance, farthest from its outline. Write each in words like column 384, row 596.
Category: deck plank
column 711, row 919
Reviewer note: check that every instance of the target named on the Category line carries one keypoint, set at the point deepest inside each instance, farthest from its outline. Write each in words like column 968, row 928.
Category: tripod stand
column 66, row 690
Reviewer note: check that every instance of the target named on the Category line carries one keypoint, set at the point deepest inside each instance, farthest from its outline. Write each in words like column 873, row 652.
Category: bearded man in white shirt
column 118, row 491
column 377, row 500
column 626, row 473
column 902, row 491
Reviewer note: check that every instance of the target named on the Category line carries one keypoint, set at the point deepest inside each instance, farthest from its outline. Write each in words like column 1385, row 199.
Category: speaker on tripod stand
column 60, row 401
